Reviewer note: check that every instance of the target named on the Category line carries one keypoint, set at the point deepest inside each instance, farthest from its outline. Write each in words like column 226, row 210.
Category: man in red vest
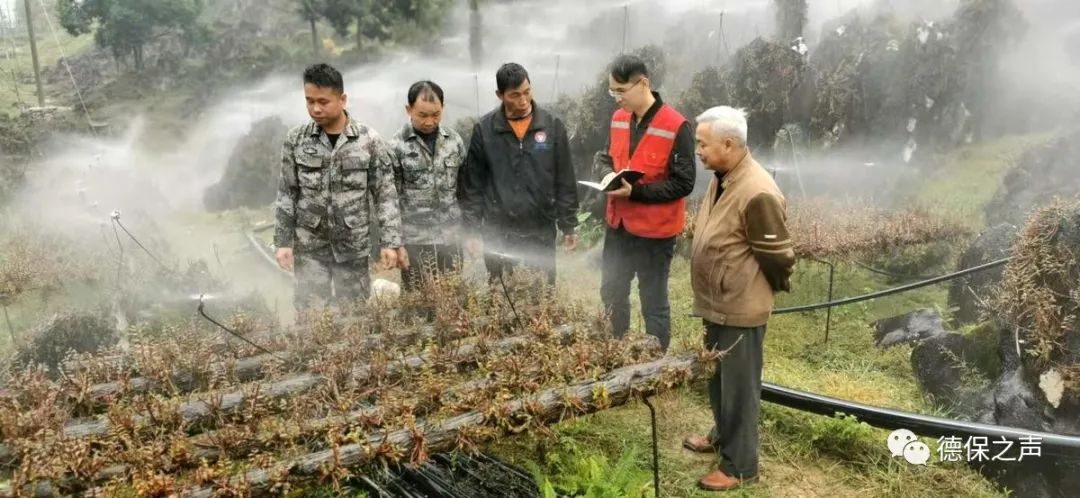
column 645, row 217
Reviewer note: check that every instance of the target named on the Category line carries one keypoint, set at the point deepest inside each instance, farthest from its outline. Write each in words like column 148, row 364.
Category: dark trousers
column 508, row 247
column 427, row 261
column 329, row 283
column 735, row 397
column 626, row 255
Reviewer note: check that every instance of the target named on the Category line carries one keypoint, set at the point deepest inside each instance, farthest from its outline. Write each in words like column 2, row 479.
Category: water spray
column 476, row 86
column 11, row 330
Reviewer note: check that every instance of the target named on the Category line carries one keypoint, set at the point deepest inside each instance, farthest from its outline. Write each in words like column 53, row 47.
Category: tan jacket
column 742, row 252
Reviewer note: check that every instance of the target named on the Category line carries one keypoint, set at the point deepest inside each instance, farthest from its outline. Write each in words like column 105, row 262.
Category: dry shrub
column 35, row 261
column 63, row 333
column 461, row 362
column 833, row 230
column 846, row 230
column 1040, row 292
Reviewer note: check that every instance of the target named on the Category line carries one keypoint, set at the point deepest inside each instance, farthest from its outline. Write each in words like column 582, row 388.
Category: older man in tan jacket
column 742, row 255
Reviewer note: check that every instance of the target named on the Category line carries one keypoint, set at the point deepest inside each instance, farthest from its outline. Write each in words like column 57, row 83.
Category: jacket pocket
column 448, row 172
column 717, row 291
column 735, row 280
column 308, row 220
column 354, row 222
column 309, row 170
column 354, row 170
column 655, row 167
column 416, row 174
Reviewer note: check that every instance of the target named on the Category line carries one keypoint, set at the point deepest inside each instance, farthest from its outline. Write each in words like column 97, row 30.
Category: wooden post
column 34, row 54
column 625, row 26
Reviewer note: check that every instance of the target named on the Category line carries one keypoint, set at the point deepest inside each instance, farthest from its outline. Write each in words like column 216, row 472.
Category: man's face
column 517, row 101
column 324, row 105
column 630, row 95
column 716, row 153
column 425, row 115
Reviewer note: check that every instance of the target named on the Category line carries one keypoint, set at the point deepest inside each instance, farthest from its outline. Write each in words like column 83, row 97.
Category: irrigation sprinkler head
column 115, row 215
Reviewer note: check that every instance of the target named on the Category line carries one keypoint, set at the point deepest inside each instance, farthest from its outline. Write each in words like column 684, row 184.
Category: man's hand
column 284, row 256
column 389, row 258
column 570, row 241
column 623, row 191
column 402, row 258
column 474, row 246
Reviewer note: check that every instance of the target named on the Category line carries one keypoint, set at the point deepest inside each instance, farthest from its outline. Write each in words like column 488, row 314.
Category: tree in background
column 309, row 11
column 383, row 20
column 791, row 18
column 127, row 27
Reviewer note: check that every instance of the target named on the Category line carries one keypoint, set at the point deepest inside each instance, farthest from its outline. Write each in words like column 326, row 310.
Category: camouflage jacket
column 324, row 191
column 427, row 185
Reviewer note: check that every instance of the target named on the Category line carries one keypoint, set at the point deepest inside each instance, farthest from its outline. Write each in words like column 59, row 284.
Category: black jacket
column 513, row 185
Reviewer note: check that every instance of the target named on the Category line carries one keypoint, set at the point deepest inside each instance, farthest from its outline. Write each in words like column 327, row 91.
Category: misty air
column 539, row 249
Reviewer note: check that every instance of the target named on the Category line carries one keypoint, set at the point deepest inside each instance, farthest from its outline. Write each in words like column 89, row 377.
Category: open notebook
column 613, row 180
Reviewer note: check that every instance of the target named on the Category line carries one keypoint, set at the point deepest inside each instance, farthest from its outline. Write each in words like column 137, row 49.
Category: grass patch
column 801, row 454
column 22, row 88
column 970, row 177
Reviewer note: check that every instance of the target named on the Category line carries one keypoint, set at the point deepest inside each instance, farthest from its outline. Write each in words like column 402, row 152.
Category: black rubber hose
column 655, row 447
column 233, row 332
column 894, row 290
column 890, row 274
column 923, row 425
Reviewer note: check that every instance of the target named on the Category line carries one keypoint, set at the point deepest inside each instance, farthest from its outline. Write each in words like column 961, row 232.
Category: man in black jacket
column 518, row 183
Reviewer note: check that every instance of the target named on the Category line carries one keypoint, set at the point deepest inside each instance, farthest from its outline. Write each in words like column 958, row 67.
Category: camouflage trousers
column 329, row 283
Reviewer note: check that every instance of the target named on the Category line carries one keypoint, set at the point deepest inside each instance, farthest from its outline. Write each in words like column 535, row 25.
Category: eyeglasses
column 618, row 94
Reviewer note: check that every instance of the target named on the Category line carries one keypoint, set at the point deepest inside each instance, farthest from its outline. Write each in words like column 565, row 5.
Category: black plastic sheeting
column 451, row 476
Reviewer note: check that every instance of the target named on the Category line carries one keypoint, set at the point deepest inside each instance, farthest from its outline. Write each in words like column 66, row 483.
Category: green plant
column 590, row 229
column 591, row 475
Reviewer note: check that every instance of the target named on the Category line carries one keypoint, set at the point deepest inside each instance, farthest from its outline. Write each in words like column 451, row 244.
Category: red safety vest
column 654, row 221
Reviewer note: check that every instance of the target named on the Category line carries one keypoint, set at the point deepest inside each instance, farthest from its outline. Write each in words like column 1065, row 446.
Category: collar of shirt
column 540, row 120
column 411, row 132
column 737, row 171
column 352, row 128
column 647, row 118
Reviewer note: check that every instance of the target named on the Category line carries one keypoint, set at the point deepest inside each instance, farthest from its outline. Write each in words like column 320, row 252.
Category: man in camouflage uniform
column 331, row 168
column 427, row 158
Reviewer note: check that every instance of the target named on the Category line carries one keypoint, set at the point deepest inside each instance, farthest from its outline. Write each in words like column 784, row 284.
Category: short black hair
column 627, row 66
column 324, row 75
column 511, row 75
column 426, row 90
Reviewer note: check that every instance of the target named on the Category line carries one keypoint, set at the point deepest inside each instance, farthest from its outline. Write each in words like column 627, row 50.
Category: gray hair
column 726, row 122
